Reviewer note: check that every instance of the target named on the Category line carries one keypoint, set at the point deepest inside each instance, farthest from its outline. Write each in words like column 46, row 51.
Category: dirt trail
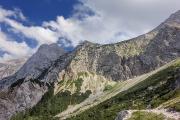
column 173, row 115
column 98, row 98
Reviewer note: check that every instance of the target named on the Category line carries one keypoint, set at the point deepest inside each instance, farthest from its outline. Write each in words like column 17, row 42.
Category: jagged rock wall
column 10, row 67
column 24, row 89
column 136, row 59
column 115, row 62
column 19, row 98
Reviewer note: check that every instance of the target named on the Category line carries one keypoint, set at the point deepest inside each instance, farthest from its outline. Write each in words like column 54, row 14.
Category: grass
column 175, row 106
column 78, row 84
column 68, row 84
column 83, row 74
column 108, row 87
column 51, row 104
column 139, row 115
column 150, row 93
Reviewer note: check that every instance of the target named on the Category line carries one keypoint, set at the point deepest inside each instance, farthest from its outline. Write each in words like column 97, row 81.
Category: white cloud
column 19, row 13
column 41, row 34
column 16, row 13
column 136, row 16
column 91, row 28
column 111, row 21
column 5, row 13
column 12, row 48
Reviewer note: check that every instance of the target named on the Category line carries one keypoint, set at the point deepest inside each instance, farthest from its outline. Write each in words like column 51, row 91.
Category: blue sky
column 38, row 11
column 35, row 11
column 27, row 24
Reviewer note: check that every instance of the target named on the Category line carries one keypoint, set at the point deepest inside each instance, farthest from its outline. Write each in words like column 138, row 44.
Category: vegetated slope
column 109, row 91
column 150, row 93
column 99, row 66
column 51, row 104
column 149, row 115
column 24, row 89
column 115, row 62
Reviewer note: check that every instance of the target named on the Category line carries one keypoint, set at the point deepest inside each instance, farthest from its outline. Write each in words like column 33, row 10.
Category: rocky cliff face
column 96, row 65
column 10, row 67
column 173, row 20
column 40, row 61
column 36, row 65
column 125, row 60
column 23, row 89
column 130, row 58
column 19, row 98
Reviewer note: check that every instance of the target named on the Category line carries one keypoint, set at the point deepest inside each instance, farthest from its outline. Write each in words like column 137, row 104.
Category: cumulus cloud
column 94, row 28
column 109, row 21
column 134, row 15
column 16, row 13
column 12, row 48
column 99, row 21
column 41, row 34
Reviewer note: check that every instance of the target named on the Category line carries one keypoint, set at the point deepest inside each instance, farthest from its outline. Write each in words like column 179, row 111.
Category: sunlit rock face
column 22, row 90
column 40, row 61
column 93, row 63
column 35, row 65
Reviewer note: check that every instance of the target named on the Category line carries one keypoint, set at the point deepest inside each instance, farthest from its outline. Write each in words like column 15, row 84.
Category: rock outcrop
column 10, row 67
column 112, row 62
column 23, row 90
column 35, row 65
column 125, row 60
column 121, row 115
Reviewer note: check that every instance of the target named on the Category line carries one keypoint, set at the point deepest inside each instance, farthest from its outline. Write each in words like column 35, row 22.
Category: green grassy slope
column 150, row 93
column 51, row 104
column 146, row 116
column 175, row 106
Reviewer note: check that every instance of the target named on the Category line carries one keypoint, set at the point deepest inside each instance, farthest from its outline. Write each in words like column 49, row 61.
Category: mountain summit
column 53, row 83
column 40, row 61
column 174, row 18
column 35, row 65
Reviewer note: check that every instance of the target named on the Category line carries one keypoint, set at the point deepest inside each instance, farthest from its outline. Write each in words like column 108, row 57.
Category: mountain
column 20, row 90
column 173, row 20
column 53, row 84
column 40, row 61
column 10, row 67
column 35, row 65
column 146, row 100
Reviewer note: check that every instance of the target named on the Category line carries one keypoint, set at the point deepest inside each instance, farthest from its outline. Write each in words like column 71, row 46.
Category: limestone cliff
column 89, row 67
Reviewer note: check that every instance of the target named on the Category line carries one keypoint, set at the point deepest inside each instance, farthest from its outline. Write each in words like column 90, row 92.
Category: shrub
column 108, row 87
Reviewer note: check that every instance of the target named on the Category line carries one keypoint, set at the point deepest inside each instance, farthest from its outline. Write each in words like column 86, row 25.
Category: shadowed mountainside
column 87, row 71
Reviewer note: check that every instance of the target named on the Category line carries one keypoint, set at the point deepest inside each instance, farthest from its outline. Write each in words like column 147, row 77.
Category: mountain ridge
column 90, row 67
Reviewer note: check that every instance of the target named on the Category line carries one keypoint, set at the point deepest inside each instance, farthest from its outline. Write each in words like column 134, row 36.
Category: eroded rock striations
column 10, row 67
column 112, row 62
column 23, row 89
